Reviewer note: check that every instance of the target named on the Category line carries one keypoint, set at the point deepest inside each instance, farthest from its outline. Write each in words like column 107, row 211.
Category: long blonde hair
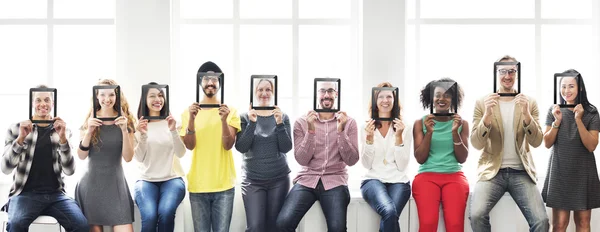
column 124, row 107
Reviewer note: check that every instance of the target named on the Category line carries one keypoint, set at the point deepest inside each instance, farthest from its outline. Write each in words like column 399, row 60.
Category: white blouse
column 383, row 159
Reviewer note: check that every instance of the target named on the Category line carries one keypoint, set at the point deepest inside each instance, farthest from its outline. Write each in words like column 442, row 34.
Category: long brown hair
column 96, row 106
column 396, row 109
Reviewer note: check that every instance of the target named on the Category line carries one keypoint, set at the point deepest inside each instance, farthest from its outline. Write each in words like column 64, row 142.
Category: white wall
column 383, row 51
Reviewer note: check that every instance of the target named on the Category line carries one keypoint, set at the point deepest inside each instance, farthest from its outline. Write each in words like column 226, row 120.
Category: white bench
column 41, row 220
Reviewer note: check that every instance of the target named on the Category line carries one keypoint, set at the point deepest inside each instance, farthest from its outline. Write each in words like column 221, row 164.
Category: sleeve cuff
column 144, row 137
column 486, row 129
column 399, row 148
column 64, row 147
column 280, row 126
column 174, row 133
column 18, row 148
column 527, row 128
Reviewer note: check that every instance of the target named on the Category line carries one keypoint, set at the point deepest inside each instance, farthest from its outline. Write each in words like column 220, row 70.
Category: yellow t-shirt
column 212, row 167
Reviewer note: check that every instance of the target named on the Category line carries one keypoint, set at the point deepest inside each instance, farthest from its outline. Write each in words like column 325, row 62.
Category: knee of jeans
column 388, row 211
column 281, row 223
column 166, row 215
column 543, row 221
column 478, row 214
column 17, row 225
column 148, row 216
column 81, row 226
column 19, row 222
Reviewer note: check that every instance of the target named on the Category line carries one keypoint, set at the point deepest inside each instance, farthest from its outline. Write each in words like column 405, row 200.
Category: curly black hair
column 426, row 92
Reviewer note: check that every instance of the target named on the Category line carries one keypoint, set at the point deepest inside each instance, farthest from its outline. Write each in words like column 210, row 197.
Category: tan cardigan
column 491, row 139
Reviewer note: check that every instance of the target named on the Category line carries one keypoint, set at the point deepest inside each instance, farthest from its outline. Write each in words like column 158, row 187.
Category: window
column 295, row 40
column 60, row 43
column 451, row 39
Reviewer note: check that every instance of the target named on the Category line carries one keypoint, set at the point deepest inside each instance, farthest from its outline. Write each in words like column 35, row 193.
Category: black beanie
column 210, row 66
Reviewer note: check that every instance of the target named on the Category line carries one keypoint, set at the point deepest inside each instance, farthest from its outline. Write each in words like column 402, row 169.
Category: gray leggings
column 263, row 200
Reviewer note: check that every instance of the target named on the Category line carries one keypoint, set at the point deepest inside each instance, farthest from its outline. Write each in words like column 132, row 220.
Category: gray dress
column 103, row 193
column 572, row 180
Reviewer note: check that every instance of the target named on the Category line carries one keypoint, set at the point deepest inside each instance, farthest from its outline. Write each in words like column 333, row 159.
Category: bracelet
column 459, row 143
column 81, row 147
column 369, row 142
column 189, row 132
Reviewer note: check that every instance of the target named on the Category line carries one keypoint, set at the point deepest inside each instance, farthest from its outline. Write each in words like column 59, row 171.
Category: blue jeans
column 300, row 199
column 388, row 200
column 263, row 200
column 158, row 202
column 523, row 191
column 212, row 210
column 24, row 208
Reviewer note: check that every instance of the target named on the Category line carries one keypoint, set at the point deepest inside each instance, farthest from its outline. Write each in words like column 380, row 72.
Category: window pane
column 467, row 53
column 324, row 8
column 10, row 9
column 410, row 78
column 328, row 51
column 266, row 50
column 325, row 51
column 567, row 9
column 18, row 105
column 478, row 9
column 286, row 106
column 196, row 47
column 206, row 8
column 84, row 9
column 82, row 55
column 411, row 9
column 304, row 105
column 265, row 8
column 23, row 59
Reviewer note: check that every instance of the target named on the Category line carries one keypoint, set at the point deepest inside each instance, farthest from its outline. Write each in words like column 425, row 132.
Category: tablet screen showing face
column 507, row 78
column 42, row 105
column 444, row 99
column 210, row 89
column 384, row 103
column 108, row 99
column 566, row 90
column 263, row 92
column 155, row 103
column 327, row 95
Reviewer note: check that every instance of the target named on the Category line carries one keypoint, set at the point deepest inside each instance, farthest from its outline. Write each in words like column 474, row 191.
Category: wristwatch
column 189, row 132
column 554, row 125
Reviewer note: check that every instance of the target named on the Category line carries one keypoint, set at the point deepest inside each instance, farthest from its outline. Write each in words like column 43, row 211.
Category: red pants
column 451, row 190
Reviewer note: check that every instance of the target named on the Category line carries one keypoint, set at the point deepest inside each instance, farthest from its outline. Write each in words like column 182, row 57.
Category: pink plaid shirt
column 325, row 153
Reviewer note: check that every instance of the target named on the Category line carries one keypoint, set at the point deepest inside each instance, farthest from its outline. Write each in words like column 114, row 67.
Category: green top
column 441, row 153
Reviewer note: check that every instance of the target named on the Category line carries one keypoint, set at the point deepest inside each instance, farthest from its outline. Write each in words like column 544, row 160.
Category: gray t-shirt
column 264, row 145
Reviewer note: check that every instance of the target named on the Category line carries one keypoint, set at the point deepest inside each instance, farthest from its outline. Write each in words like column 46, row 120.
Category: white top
column 394, row 168
column 158, row 153
column 510, row 159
